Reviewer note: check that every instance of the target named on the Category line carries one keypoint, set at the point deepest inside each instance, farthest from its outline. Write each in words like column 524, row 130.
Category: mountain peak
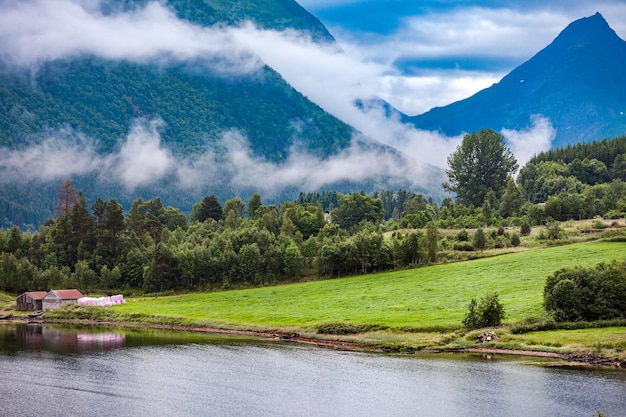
column 589, row 30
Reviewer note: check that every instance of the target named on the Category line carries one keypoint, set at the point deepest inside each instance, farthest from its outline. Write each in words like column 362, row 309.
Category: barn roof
column 68, row 294
column 36, row 295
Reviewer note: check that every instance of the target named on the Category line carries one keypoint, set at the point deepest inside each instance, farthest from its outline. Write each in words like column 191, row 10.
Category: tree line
column 152, row 248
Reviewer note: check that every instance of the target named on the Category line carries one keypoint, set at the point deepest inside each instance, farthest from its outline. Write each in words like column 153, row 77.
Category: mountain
column 266, row 14
column 578, row 82
column 125, row 128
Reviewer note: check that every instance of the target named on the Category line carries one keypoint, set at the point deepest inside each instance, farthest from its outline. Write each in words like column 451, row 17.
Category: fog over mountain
column 137, row 101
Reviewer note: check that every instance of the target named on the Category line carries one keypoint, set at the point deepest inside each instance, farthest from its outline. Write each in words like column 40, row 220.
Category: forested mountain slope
column 93, row 115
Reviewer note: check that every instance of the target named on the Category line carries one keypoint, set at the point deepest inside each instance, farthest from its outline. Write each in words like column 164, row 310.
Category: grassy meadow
column 430, row 297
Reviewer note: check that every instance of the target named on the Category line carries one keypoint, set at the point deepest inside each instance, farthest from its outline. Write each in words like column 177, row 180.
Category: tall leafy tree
column 253, row 205
column 512, row 200
column 111, row 231
column 482, row 163
column 83, row 227
column 236, row 206
column 354, row 208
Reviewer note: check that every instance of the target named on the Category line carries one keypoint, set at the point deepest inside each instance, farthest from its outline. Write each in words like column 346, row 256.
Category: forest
column 151, row 248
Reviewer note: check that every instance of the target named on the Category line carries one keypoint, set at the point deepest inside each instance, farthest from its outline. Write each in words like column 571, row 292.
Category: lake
column 64, row 371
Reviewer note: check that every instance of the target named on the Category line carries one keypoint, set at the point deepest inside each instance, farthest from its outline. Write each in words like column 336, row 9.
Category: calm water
column 63, row 371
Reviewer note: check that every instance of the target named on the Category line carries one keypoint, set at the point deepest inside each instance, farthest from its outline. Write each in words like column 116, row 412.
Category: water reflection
column 66, row 339
column 190, row 374
column 58, row 339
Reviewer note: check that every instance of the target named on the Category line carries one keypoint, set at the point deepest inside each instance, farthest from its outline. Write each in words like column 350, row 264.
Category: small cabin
column 31, row 300
column 58, row 298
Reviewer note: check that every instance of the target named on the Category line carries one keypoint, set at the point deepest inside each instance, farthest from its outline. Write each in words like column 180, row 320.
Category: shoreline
column 566, row 359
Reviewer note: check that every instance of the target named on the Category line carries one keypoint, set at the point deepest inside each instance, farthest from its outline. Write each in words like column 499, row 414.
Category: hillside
column 423, row 297
column 577, row 82
column 160, row 126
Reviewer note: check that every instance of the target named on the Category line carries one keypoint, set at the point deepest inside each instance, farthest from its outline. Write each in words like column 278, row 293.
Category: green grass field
column 425, row 297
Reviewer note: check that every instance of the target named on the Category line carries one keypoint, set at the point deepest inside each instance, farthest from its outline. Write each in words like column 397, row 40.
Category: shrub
column 471, row 320
column 341, row 328
column 525, row 228
column 554, row 230
column 590, row 294
column 480, row 240
column 501, row 242
column 599, row 224
column 462, row 236
column 614, row 214
column 463, row 246
column 488, row 313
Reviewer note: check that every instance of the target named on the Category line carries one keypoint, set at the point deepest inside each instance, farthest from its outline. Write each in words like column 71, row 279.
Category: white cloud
column 40, row 30
column 478, row 31
column 356, row 163
column 141, row 159
column 529, row 142
column 55, row 158
column 416, row 94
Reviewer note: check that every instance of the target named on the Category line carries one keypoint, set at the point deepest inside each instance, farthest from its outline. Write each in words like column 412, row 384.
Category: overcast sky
column 414, row 54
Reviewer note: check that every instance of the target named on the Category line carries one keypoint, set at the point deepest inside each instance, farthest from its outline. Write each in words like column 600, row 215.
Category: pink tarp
column 102, row 301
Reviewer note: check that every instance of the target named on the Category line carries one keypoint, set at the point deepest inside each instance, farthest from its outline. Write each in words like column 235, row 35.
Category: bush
column 589, row 294
column 599, row 224
column 554, row 230
column 614, row 214
column 480, row 240
column 471, row 320
column 515, row 240
column 463, row 246
column 462, row 236
column 525, row 228
column 488, row 313
column 341, row 328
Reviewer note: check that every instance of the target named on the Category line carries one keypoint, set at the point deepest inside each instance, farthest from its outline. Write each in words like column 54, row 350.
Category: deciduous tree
column 354, row 208
column 482, row 163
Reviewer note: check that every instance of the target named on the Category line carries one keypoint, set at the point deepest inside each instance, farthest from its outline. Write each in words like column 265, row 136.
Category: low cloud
column 360, row 162
column 529, row 142
column 61, row 155
column 141, row 159
column 34, row 31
